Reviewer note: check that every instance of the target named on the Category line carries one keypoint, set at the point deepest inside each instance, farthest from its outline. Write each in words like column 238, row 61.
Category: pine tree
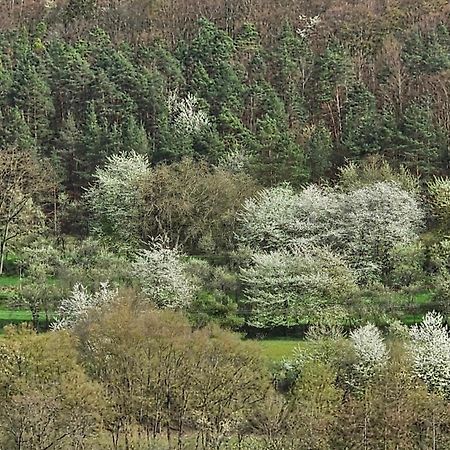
column 15, row 130
column 31, row 94
column 360, row 123
column 421, row 143
column 68, row 151
column 134, row 138
column 319, row 148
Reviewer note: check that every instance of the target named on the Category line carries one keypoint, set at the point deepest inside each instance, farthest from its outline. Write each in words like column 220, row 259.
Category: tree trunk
column 3, row 248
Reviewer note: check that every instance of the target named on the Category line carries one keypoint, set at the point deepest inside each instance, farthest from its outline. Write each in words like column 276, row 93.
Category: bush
column 46, row 400
column 407, row 264
column 160, row 375
column 215, row 308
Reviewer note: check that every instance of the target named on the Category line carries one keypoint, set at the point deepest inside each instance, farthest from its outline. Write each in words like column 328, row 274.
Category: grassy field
column 277, row 349
column 9, row 281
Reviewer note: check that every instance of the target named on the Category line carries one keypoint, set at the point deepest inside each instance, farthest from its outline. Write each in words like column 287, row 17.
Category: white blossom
column 284, row 287
column 234, row 161
column 430, row 352
column 362, row 225
column 114, row 197
column 370, row 350
column 80, row 303
column 50, row 4
column 186, row 114
column 308, row 24
column 162, row 274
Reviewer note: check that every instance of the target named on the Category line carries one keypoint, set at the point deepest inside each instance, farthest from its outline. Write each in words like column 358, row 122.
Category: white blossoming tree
column 370, row 350
column 307, row 25
column 429, row 349
column 163, row 276
column 371, row 222
column 80, row 303
column 114, row 195
column 186, row 114
column 363, row 225
column 278, row 218
column 285, row 287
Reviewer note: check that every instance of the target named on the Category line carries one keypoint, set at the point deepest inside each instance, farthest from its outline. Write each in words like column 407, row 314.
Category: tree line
column 129, row 376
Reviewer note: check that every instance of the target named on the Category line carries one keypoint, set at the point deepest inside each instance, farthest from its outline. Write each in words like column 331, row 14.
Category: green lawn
column 277, row 349
column 8, row 315
column 9, row 281
column 16, row 317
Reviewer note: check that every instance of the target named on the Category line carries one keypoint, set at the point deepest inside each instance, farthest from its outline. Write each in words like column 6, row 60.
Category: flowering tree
column 430, row 352
column 114, row 196
column 372, row 221
column 187, row 116
column 162, row 274
column 80, row 302
column 278, row 218
column 370, row 349
column 362, row 225
column 307, row 25
column 284, row 287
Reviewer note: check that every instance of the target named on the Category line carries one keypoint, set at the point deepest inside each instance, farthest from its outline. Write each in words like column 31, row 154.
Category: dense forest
column 224, row 224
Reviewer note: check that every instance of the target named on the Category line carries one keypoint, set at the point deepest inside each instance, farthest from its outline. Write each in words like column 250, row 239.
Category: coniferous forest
column 224, row 224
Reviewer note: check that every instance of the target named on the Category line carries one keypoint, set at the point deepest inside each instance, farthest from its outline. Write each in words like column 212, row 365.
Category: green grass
column 277, row 349
column 9, row 281
column 21, row 315
column 16, row 317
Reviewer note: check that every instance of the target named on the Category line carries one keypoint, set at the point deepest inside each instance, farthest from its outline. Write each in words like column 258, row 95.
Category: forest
column 224, row 224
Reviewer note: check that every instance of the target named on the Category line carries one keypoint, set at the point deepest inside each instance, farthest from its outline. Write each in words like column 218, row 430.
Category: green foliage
column 439, row 191
column 408, row 264
column 44, row 388
column 215, row 308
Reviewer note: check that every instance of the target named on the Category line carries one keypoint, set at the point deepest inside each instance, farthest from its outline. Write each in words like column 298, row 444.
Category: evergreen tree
column 15, row 130
column 134, row 138
column 210, row 71
column 68, row 152
column 421, row 143
column 360, row 123
column 319, row 148
column 293, row 66
column 31, row 94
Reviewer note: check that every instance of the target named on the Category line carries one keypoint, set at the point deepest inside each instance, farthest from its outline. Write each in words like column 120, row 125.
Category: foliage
column 193, row 205
column 362, row 225
column 439, row 191
column 216, row 308
column 408, row 264
column 47, row 400
column 92, row 262
column 370, row 349
column 374, row 170
column 187, row 118
column 114, row 196
column 159, row 375
column 23, row 180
